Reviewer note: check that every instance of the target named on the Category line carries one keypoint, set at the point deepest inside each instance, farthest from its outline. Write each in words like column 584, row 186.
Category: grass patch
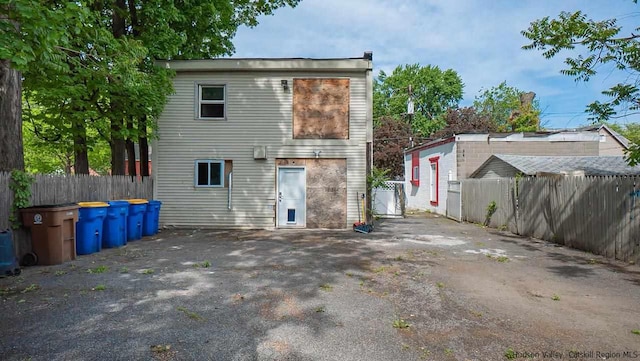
column 99, row 269
column 448, row 352
column 148, row 271
column 320, row 309
column 326, row 287
column 440, row 285
column 99, row 288
column 190, row 314
column 555, row 298
column 60, row 273
column 31, row 288
column 635, row 332
column 502, row 259
column 510, row 354
column 400, row 323
column 124, row 270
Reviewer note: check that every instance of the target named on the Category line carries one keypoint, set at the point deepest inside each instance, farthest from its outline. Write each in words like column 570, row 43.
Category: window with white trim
column 211, row 102
column 209, row 173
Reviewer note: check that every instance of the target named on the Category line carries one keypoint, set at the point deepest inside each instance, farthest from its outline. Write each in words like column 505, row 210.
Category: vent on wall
column 260, row 152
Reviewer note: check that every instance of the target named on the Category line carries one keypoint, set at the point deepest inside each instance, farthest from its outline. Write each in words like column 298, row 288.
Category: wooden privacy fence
column 58, row 189
column 596, row 214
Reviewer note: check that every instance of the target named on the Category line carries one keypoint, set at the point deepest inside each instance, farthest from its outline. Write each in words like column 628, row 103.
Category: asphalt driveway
column 423, row 287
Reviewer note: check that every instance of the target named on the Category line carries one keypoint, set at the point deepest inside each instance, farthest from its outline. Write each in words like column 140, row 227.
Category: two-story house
column 261, row 143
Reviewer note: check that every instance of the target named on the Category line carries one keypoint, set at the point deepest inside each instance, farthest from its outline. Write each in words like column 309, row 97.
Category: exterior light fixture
column 285, row 84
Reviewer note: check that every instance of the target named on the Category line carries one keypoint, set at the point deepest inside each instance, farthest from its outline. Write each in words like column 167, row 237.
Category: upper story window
column 211, row 102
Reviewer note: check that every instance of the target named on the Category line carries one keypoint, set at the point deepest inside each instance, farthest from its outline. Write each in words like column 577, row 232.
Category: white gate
column 388, row 200
column 454, row 200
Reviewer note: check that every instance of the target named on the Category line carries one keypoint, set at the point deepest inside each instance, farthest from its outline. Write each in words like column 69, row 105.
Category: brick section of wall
column 471, row 155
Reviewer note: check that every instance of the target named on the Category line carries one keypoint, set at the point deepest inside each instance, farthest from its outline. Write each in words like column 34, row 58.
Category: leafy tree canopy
column 595, row 45
column 465, row 120
column 433, row 91
column 390, row 138
column 510, row 109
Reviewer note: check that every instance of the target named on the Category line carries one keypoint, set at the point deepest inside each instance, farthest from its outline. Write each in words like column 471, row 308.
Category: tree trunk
column 144, row 147
column 80, row 156
column 131, row 151
column 11, row 151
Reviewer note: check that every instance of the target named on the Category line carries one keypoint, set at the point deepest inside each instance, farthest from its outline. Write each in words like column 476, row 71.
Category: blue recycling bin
column 8, row 261
column 89, row 228
column 135, row 219
column 115, row 225
column 151, row 218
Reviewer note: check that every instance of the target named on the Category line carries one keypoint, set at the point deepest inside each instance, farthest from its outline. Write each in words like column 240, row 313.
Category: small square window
column 211, row 101
column 209, row 173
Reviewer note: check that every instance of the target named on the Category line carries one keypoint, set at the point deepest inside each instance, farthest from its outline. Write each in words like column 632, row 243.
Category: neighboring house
column 501, row 166
column 429, row 167
column 611, row 142
column 261, row 143
column 137, row 152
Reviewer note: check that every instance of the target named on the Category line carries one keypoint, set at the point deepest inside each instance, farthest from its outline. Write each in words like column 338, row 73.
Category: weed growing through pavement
column 32, row 287
column 191, row 315
column 440, row 285
column 379, row 269
column 326, row 287
column 400, row 323
column 555, row 298
column 160, row 348
column 635, row 332
column 99, row 269
column 124, row 270
column 477, row 314
column 502, row 259
column 509, row 354
column 99, row 288
column 60, row 273
column 448, row 352
column 320, row 309
column 349, row 274
column 205, row 264
column 148, row 271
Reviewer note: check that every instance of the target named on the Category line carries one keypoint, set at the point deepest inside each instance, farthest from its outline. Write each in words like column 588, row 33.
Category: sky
column 479, row 39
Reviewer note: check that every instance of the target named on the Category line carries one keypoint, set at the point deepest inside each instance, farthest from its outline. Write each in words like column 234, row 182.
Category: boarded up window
column 321, row 108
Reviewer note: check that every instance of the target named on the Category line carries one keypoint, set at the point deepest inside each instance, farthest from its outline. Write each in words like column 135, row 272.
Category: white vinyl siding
column 258, row 113
column 420, row 198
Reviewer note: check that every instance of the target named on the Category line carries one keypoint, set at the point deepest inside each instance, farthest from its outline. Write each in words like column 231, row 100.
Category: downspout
column 230, row 180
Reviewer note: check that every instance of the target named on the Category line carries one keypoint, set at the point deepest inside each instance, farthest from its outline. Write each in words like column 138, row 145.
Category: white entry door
column 292, row 197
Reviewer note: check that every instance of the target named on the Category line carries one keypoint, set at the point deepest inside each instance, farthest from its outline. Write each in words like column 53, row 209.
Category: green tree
column 510, row 109
column 31, row 32
column 595, row 45
column 90, row 65
column 432, row 91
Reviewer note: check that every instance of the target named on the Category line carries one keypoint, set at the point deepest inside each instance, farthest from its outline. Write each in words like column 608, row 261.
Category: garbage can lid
column 137, row 201
column 93, row 204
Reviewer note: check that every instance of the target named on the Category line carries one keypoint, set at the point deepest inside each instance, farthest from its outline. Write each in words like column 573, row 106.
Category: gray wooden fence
column 596, row 214
column 58, row 189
